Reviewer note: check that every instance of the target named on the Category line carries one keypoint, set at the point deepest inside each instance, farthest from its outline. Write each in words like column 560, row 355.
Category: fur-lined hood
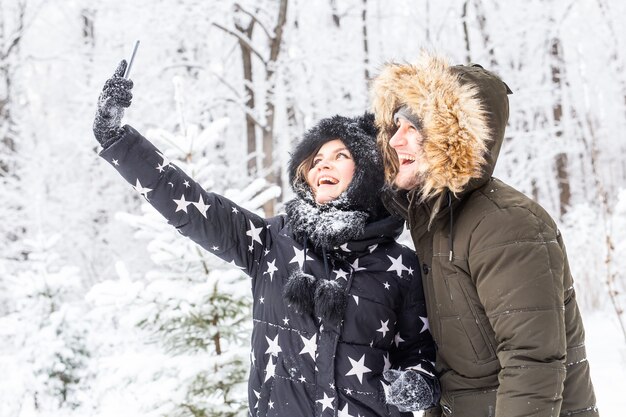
column 463, row 111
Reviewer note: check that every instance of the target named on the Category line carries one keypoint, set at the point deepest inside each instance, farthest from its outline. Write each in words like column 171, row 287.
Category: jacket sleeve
column 517, row 264
column 413, row 347
column 212, row 221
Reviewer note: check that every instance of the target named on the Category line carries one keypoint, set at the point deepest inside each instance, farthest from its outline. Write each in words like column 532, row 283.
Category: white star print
column 271, row 268
column 356, row 267
column 387, row 362
column 310, row 346
column 426, row 324
column 341, row 274
column 397, row 340
column 327, row 402
column 271, row 404
column 386, row 285
column 270, row 370
column 262, row 300
column 348, row 391
column 182, row 204
column 418, row 367
column 344, row 247
column 358, row 368
column 235, row 210
column 214, row 248
column 356, row 299
column 254, row 233
column 299, row 257
column 384, row 327
column 285, row 321
column 235, row 265
column 396, row 265
column 331, row 385
column 142, row 190
column 115, row 163
column 410, row 271
column 164, row 164
column 274, row 347
column 372, row 248
column 344, row 412
column 302, row 378
column 201, row 206
column 186, row 183
column 258, row 395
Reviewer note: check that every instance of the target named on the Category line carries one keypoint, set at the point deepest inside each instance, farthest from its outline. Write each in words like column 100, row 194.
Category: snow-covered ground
column 606, row 350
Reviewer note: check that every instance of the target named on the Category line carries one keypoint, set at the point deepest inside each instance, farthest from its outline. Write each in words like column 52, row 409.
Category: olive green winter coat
column 500, row 296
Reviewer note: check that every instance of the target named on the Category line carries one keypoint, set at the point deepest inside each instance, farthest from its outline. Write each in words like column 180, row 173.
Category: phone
column 132, row 58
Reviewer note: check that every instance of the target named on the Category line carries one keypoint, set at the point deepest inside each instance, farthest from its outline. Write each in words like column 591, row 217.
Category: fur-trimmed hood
column 463, row 112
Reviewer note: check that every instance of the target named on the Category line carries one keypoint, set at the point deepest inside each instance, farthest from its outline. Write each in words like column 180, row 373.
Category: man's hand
column 114, row 98
column 408, row 390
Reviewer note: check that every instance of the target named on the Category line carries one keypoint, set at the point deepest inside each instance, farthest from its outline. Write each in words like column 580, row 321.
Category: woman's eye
column 316, row 161
column 342, row 155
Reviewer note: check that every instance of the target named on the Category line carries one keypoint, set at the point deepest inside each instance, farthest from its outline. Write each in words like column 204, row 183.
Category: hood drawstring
column 325, row 262
column 306, row 238
column 451, row 226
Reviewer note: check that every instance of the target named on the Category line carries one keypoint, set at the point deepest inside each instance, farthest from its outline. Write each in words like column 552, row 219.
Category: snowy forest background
column 106, row 311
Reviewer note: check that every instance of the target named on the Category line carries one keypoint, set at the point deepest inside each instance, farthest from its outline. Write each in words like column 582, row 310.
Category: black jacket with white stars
column 301, row 364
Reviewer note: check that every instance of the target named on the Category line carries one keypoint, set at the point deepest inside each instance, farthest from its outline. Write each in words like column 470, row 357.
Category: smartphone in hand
column 132, row 58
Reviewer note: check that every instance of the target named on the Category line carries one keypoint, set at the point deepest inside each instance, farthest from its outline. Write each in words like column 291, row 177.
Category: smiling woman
column 330, row 171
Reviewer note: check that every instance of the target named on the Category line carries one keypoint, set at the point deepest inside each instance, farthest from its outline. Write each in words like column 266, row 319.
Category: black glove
column 408, row 390
column 114, row 97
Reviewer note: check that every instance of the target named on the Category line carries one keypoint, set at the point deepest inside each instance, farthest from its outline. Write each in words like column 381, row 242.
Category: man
column 500, row 296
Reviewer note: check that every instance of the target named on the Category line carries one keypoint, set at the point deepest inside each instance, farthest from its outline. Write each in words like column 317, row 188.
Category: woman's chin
column 323, row 199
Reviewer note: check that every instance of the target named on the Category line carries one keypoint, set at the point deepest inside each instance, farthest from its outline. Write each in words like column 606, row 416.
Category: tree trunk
column 272, row 172
column 246, row 62
column 468, row 54
column 9, row 45
column 565, row 194
column 482, row 26
column 366, row 53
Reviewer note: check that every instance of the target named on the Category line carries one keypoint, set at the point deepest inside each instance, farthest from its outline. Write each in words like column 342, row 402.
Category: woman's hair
column 302, row 170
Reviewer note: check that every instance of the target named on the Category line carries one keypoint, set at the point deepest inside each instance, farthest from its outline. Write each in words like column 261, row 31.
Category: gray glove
column 114, row 98
column 408, row 390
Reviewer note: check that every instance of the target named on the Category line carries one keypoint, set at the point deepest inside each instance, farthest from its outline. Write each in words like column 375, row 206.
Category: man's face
column 408, row 144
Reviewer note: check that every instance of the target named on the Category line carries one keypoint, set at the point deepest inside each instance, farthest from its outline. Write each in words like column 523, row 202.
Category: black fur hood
column 359, row 136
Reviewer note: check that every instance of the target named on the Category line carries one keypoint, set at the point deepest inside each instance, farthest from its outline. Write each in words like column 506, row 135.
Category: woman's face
column 331, row 172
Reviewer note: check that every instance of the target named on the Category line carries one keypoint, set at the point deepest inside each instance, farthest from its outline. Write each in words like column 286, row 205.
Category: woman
column 337, row 302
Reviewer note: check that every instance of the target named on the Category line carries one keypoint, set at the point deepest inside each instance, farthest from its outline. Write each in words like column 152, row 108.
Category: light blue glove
column 408, row 390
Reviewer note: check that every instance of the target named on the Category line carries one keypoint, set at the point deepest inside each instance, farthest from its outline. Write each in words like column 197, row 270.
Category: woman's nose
column 323, row 164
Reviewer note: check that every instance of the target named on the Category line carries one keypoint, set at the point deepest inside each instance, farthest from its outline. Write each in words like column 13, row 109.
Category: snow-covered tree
column 45, row 330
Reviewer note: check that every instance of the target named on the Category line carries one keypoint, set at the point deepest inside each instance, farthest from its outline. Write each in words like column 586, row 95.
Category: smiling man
column 500, row 296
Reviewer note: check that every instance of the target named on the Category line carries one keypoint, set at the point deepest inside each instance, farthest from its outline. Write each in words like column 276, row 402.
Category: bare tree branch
column 242, row 39
column 240, row 8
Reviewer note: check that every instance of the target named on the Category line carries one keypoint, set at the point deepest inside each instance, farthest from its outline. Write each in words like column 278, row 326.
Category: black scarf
column 328, row 225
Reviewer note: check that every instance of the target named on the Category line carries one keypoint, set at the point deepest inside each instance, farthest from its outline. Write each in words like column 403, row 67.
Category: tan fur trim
column 455, row 126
